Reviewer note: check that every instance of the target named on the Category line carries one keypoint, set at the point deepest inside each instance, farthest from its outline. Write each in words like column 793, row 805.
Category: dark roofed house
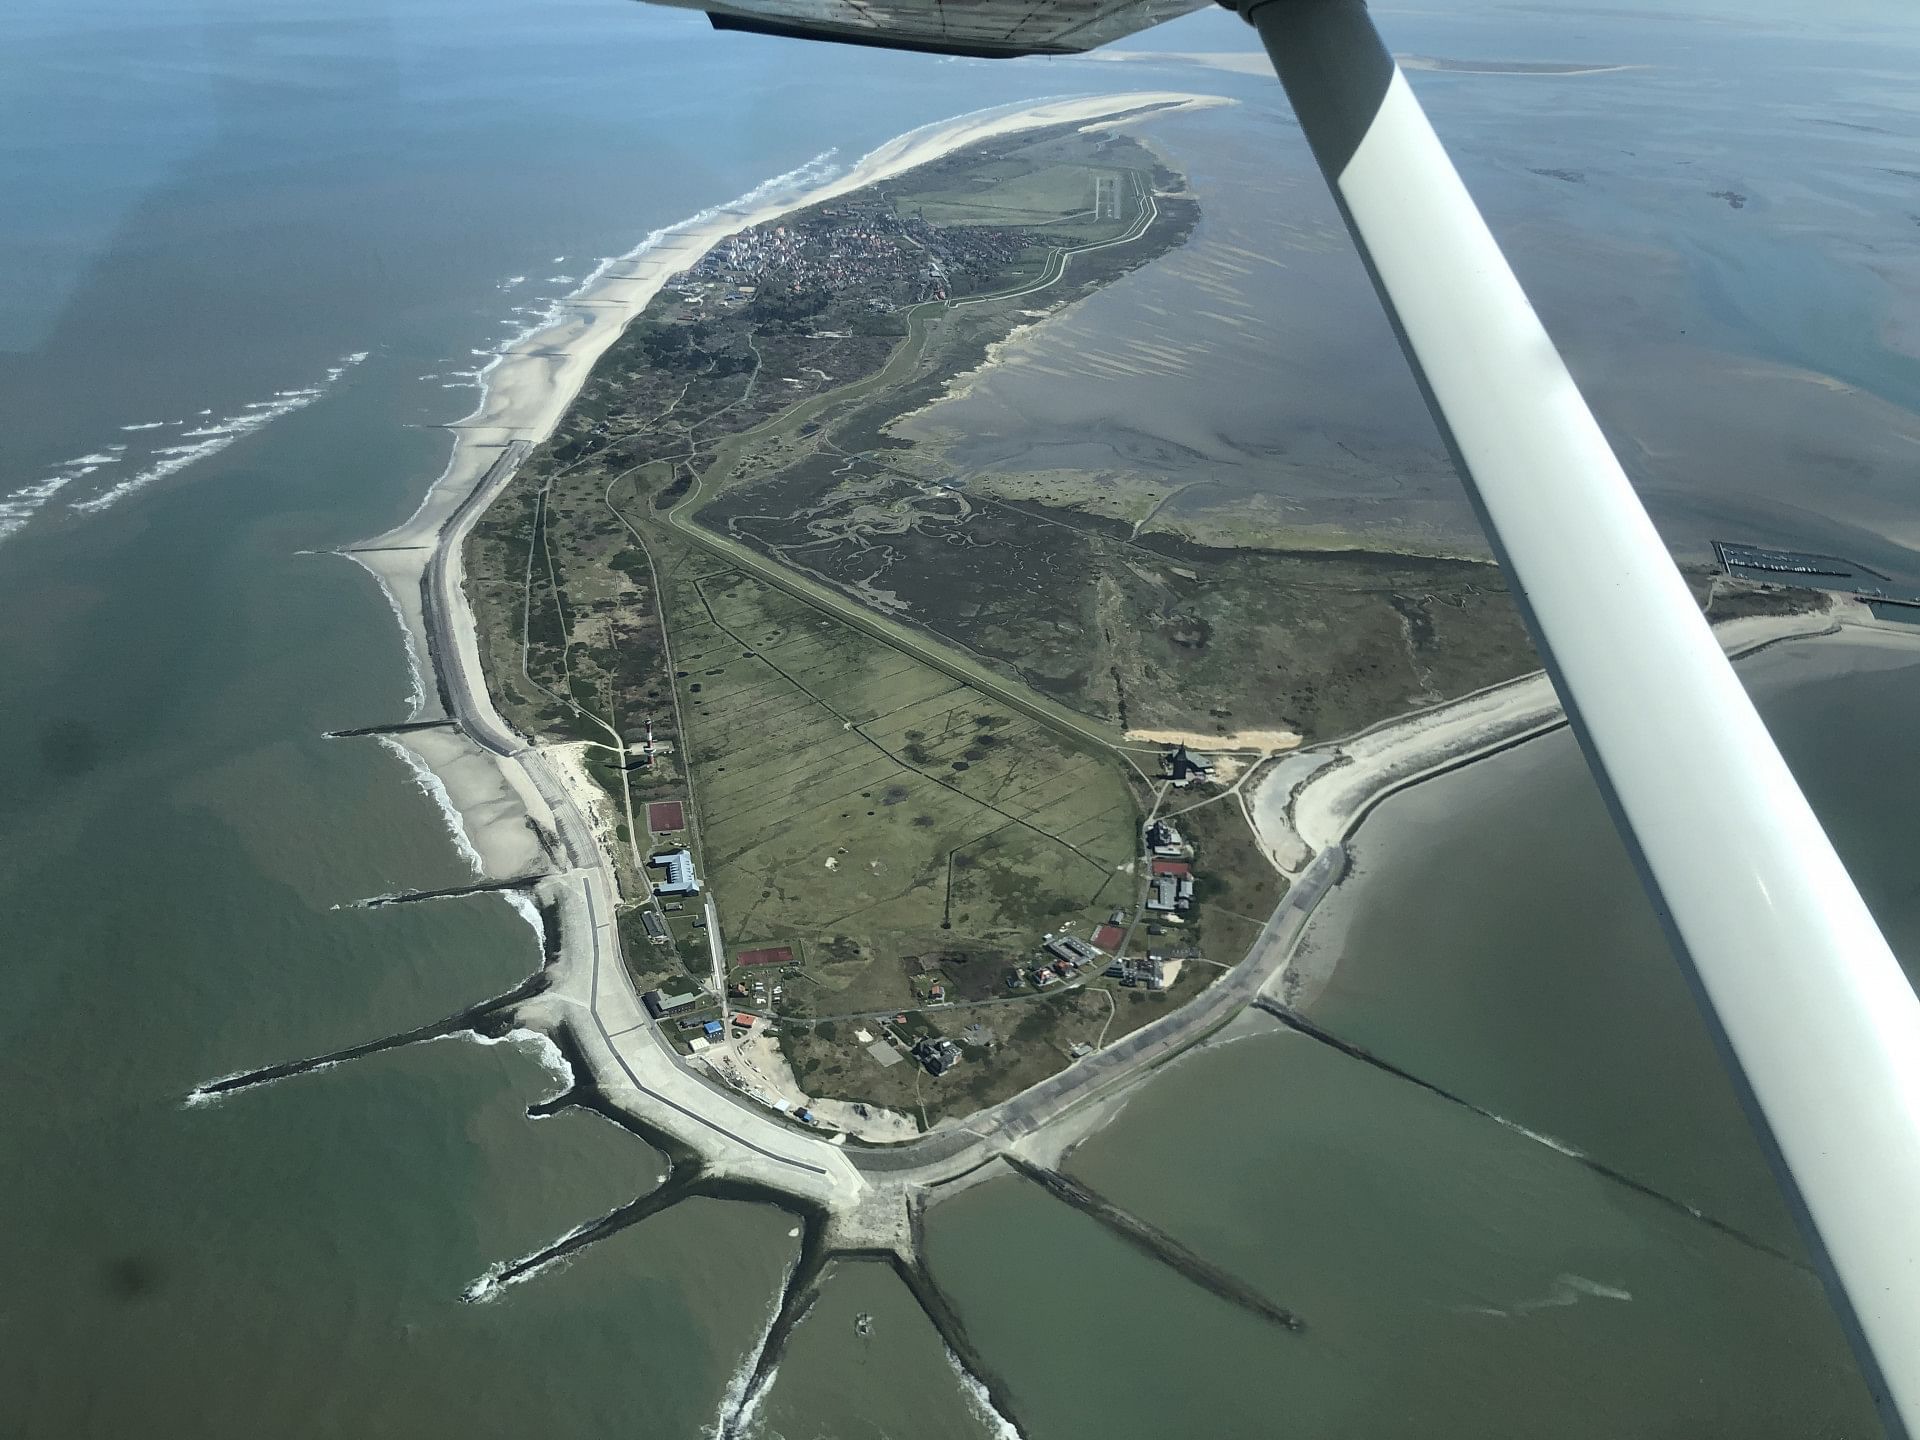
column 1133, row 972
column 938, row 1054
column 1070, row 948
column 1163, row 839
column 1183, row 768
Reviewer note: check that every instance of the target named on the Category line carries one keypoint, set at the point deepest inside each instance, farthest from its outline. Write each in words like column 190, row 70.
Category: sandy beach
column 1265, row 742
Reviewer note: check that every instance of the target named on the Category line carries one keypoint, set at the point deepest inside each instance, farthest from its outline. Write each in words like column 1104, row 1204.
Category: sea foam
column 432, row 787
column 19, row 507
column 208, row 1093
column 552, row 1059
column 981, row 1403
column 212, row 438
column 491, row 1283
column 737, row 1407
column 417, row 692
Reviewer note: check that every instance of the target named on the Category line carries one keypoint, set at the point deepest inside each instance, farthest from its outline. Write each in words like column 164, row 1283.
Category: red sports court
column 772, row 955
column 666, row 815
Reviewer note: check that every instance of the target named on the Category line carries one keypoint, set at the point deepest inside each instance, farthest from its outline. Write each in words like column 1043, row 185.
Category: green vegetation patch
column 871, row 807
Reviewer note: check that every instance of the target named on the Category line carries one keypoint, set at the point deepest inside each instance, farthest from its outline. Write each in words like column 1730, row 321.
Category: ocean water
column 1518, row 965
column 1790, row 324
column 1456, row 1276
column 304, row 231
column 301, row 232
column 1453, row 1279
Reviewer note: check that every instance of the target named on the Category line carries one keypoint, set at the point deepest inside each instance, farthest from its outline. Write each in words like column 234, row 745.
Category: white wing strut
column 1822, row 1024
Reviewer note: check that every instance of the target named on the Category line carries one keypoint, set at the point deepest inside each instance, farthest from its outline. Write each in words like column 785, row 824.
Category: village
column 734, row 1033
column 856, row 248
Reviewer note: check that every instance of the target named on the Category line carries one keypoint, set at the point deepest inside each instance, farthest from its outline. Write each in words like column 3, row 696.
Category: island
column 885, row 827
column 918, row 790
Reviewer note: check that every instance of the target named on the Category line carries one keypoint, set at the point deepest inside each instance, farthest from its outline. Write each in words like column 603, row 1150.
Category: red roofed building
column 1172, row 867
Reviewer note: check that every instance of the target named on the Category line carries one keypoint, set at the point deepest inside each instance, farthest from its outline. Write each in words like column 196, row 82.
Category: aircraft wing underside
column 992, row 28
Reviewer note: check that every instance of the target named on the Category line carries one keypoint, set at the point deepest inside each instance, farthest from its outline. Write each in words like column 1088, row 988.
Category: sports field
column 872, row 808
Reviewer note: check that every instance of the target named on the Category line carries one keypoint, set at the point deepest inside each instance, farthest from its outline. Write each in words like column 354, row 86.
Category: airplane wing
column 981, row 28
column 1789, row 967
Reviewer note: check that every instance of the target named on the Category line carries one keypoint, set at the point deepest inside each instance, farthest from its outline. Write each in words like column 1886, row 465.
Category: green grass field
column 869, row 809
column 1057, row 199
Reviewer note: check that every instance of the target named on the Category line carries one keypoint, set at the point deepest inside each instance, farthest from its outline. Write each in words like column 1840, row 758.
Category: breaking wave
column 1567, row 1289
column 981, row 1403
column 737, row 1407
column 552, row 1059
column 20, row 506
column 432, row 787
column 209, row 1092
column 495, row 1279
column 208, row 439
column 417, row 694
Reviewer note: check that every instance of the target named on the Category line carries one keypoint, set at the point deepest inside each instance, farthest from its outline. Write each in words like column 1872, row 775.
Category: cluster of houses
column 1131, row 972
column 1170, row 866
column 1065, row 957
column 847, row 247
column 1070, row 954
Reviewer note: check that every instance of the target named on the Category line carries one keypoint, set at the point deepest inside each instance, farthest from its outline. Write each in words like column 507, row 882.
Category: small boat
column 863, row 1324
